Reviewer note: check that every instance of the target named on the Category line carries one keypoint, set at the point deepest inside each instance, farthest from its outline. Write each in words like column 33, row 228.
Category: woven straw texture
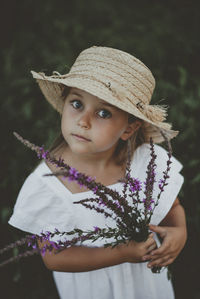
column 115, row 77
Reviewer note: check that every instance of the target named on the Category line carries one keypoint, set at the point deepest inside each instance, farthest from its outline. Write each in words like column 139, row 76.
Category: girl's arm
column 81, row 259
column 174, row 234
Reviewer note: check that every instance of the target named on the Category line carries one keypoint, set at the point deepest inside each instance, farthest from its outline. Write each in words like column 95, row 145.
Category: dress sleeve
column 40, row 207
column 174, row 182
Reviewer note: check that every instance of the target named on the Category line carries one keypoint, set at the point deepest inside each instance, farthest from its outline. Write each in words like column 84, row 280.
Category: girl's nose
column 84, row 121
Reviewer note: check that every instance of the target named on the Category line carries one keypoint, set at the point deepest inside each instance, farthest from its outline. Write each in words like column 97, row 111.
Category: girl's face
column 90, row 125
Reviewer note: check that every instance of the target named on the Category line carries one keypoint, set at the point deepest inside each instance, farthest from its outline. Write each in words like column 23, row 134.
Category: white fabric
column 44, row 203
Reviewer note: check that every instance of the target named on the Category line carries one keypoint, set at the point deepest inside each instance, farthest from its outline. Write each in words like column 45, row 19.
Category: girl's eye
column 76, row 104
column 104, row 113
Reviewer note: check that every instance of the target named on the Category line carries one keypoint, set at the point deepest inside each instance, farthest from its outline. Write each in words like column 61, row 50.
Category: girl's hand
column 133, row 252
column 174, row 239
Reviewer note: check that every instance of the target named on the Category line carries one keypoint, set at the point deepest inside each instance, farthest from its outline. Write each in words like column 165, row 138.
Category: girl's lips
column 81, row 138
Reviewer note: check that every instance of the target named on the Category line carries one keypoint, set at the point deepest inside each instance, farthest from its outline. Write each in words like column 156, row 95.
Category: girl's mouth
column 80, row 138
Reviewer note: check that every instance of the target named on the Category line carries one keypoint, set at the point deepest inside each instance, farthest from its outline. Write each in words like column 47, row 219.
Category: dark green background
column 47, row 36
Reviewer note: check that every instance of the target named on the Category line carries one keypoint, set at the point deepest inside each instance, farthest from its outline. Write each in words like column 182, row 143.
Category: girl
column 105, row 104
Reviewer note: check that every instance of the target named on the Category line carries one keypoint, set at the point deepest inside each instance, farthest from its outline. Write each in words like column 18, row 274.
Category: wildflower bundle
column 131, row 213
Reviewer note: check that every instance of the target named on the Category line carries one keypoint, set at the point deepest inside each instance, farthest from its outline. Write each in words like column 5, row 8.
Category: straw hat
column 116, row 77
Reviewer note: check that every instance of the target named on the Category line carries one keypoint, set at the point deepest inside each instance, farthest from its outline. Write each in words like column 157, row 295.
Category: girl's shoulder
column 174, row 182
column 41, row 203
column 38, row 185
column 35, row 184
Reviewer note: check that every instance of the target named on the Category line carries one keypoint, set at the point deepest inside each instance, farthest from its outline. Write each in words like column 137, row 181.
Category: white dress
column 44, row 203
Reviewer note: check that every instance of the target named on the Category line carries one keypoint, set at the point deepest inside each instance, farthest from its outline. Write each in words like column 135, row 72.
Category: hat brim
column 52, row 88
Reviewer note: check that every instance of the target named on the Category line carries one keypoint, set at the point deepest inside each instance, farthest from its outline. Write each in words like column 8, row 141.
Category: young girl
column 105, row 104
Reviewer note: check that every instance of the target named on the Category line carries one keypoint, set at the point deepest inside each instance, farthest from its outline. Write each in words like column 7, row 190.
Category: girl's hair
column 121, row 152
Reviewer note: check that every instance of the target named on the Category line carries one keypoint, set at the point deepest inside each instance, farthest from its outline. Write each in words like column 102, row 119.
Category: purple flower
column 44, row 154
column 73, row 172
column 60, row 162
column 43, row 250
column 135, row 185
column 32, row 241
column 39, row 153
column 161, row 184
column 54, row 245
column 47, row 235
column 89, row 179
column 96, row 229
column 95, row 189
column 81, row 184
column 34, row 246
column 101, row 202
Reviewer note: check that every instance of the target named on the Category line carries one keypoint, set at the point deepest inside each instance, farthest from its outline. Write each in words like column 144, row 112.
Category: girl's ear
column 131, row 129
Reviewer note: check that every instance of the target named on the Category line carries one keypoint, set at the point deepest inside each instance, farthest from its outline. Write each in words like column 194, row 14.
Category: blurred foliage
column 47, row 36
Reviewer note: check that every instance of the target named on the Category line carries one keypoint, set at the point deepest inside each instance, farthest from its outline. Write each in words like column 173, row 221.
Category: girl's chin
column 84, row 148
column 80, row 150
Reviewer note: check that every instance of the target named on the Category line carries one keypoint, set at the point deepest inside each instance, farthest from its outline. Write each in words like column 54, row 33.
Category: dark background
column 47, row 36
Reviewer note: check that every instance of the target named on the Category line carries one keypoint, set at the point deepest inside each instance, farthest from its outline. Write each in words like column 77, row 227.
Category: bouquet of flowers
column 131, row 213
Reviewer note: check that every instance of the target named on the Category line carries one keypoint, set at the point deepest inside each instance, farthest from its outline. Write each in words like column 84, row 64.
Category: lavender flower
column 149, row 183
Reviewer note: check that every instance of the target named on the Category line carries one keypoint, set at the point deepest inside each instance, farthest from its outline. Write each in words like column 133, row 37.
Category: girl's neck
column 97, row 161
column 89, row 164
column 105, row 171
